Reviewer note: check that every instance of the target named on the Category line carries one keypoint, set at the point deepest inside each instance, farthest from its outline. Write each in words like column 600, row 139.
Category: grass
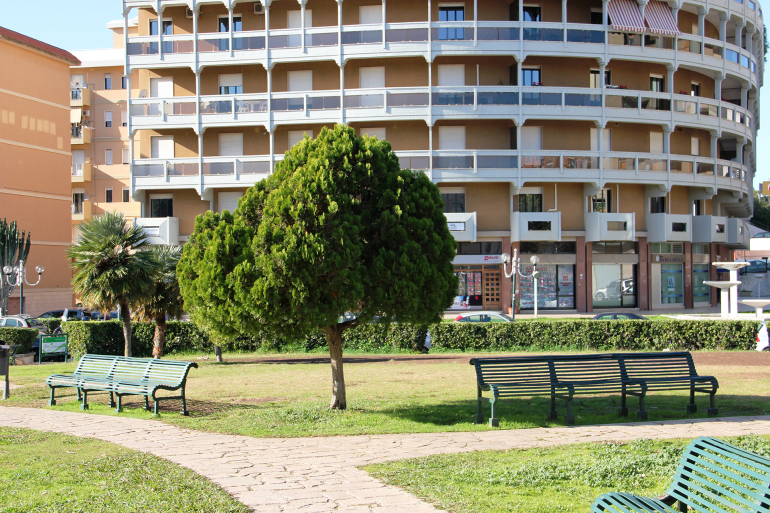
column 49, row 472
column 248, row 396
column 560, row 479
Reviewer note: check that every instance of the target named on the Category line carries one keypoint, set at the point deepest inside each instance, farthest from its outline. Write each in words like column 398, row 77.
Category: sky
column 81, row 25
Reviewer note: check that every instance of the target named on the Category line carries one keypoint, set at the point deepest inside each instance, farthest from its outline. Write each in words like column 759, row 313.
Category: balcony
column 462, row 225
column 160, row 230
column 669, row 227
column 536, row 226
column 81, row 135
column 738, row 236
column 81, row 211
column 709, row 229
column 80, row 97
column 81, row 173
column 602, row 226
column 242, row 171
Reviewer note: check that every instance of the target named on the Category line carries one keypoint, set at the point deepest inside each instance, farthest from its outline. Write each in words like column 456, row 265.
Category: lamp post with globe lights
column 17, row 275
column 516, row 269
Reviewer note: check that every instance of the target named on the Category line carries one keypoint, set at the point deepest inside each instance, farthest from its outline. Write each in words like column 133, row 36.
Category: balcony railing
column 602, row 226
column 709, row 229
column 462, row 226
column 669, row 227
column 536, row 226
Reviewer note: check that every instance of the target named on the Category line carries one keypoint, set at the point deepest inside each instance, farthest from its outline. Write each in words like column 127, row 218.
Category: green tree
column 14, row 246
column 339, row 227
column 164, row 297
column 761, row 209
column 111, row 266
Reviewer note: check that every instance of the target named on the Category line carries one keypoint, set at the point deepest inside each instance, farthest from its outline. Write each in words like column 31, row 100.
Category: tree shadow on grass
column 350, row 360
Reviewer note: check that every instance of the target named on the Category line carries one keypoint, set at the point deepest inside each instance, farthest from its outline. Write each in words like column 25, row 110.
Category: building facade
column 612, row 139
column 99, row 133
column 35, row 156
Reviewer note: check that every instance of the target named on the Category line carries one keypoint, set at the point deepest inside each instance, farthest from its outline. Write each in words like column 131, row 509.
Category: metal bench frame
column 122, row 376
column 564, row 376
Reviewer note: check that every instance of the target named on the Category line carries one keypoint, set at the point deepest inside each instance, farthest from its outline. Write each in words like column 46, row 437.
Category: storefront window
column 547, row 248
column 614, row 248
column 614, row 285
column 480, row 248
column 671, row 286
column 469, row 292
column 556, row 287
column 700, row 292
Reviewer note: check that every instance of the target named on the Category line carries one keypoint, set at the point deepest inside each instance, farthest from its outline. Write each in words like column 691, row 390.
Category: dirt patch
column 738, row 358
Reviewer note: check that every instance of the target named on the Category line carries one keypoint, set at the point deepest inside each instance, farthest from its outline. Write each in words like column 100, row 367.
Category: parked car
column 615, row 289
column 73, row 314
column 482, row 317
column 25, row 321
column 619, row 317
column 763, row 343
column 755, row 266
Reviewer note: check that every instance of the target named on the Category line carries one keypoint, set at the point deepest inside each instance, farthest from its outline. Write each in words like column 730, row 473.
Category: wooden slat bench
column 121, row 376
column 564, row 376
column 712, row 476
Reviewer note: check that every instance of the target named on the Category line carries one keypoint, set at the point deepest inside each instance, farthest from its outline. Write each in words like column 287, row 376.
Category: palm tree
column 164, row 297
column 110, row 266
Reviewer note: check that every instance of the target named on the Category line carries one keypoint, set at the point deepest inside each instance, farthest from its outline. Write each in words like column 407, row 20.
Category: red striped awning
column 659, row 18
column 625, row 16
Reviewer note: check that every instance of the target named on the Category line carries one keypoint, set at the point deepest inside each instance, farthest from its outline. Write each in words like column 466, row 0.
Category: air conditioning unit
column 189, row 13
column 258, row 8
column 86, row 113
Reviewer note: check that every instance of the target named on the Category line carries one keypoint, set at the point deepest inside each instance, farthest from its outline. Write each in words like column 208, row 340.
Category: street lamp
column 20, row 277
column 516, row 270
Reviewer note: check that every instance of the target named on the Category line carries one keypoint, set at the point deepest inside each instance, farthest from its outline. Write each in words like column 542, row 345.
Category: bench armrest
column 667, row 500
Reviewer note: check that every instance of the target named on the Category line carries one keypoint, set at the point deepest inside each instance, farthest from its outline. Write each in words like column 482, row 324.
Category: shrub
column 24, row 337
column 50, row 323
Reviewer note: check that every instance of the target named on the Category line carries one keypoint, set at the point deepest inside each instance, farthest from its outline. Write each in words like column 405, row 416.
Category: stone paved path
column 319, row 474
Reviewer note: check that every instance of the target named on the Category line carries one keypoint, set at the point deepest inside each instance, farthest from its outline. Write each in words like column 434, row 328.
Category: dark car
column 619, row 317
column 73, row 314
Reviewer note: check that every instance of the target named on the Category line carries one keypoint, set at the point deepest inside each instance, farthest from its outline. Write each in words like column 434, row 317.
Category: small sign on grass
column 53, row 345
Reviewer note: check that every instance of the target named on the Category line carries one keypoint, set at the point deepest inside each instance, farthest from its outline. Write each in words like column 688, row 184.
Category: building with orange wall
column 35, row 158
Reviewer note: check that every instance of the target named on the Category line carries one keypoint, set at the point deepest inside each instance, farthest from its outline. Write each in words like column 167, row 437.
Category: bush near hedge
column 106, row 337
column 24, row 337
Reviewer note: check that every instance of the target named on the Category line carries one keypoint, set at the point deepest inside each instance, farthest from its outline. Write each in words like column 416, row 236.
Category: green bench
column 712, row 476
column 122, row 376
column 564, row 376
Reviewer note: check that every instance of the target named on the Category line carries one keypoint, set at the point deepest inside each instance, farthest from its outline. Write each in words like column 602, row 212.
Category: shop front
column 556, row 285
column 479, row 270
column 701, row 293
column 667, row 274
column 614, row 275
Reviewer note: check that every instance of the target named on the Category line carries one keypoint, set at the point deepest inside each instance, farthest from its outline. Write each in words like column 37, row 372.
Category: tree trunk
column 218, row 353
column 159, row 339
column 125, row 316
column 334, row 337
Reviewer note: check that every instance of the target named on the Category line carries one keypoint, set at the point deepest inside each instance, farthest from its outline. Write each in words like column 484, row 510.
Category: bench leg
column 147, row 403
column 623, row 410
column 553, row 414
column 52, row 401
column 712, row 410
column 112, row 400
column 184, row 405
column 692, row 407
column 642, row 413
column 156, row 406
column 119, row 407
column 479, row 417
column 493, row 421
column 80, row 395
column 84, row 404
column 569, row 418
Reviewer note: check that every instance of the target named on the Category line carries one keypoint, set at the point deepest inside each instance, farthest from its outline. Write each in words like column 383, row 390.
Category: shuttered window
column 231, row 145
column 451, row 138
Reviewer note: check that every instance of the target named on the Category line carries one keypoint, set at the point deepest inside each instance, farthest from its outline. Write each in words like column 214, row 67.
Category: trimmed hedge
column 24, row 337
column 50, row 323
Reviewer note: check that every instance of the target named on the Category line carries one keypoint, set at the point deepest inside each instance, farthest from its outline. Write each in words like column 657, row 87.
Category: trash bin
column 5, row 353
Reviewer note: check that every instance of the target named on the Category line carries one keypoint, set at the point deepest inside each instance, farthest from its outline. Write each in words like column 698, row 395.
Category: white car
column 482, row 317
column 763, row 344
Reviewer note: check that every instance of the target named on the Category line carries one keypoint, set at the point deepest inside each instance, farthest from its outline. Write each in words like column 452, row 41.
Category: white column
column 739, row 150
column 272, row 151
column 714, row 149
column 384, row 21
column 718, row 86
column 666, row 141
column 604, row 11
column 734, row 295
column 476, row 22
column 701, row 21
column 160, row 31
column 723, row 27
column 302, row 22
column 268, row 64
column 563, row 19
column 670, row 79
column 200, row 162
column 739, row 34
column 270, row 99
column 745, row 96
column 230, row 26
column 342, row 94
column 430, row 150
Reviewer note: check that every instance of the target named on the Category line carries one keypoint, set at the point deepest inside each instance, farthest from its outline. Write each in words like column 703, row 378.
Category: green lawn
column 561, row 479
column 261, row 395
column 60, row 473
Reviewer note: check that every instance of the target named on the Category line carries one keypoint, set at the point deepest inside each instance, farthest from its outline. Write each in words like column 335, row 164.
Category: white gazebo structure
column 729, row 306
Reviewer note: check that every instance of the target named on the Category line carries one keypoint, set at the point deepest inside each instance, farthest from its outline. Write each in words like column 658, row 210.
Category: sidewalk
column 319, row 474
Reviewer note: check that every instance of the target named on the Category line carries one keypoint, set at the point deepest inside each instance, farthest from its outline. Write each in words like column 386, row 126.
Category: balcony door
column 294, row 18
column 370, row 14
column 231, row 145
column 300, row 80
column 162, row 87
column 78, row 159
column 162, row 147
column 451, row 138
column 296, row 136
column 606, row 140
column 371, row 78
column 228, row 201
column 451, row 75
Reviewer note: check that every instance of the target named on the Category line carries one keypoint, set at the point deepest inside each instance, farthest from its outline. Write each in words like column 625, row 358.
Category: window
column 168, row 27
column 613, row 285
column 595, row 78
column 657, row 84
column 694, row 89
column 601, row 202
column 548, row 248
column 695, row 146
column 697, row 207
column 531, row 137
column 596, row 17
column 162, row 205
column 162, row 87
column 108, row 195
column 530, row 76
column 162, row 147
column 676, row 248
column 451, row 75
column 656, row 142
column 123, row 118
column 126, row 197
column 108, row 156
column 231, row 84
column 294, row 19
column 77, row 202
column 108, row 80
column 231, row 145
column 379, row 133
column 658, row 205
column 296, row 136
column 124, row 82
column 451, row 138
column 606, row 140
column 532, row 13
column 453, row 202
column 370, row 14
column 451, row 13
column 224, row 24
column 126, row 156
column 480, row 248
column 614, row 248
column 300, row 80
column 108, row 118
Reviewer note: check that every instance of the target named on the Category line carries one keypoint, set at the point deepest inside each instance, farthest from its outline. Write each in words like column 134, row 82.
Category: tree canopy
column 338, row 227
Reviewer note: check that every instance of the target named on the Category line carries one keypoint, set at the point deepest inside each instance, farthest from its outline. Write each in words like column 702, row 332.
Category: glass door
column 700, row 291
column 671, row 284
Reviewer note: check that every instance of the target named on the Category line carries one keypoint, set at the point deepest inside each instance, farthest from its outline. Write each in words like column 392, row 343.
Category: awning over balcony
column 76, row 115
column 626, row 16
column 660, row 19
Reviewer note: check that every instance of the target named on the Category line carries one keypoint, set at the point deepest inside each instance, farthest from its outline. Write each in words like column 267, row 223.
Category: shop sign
column 670, row 259
column 477, row 259
column 456, row 227
column 152, row 231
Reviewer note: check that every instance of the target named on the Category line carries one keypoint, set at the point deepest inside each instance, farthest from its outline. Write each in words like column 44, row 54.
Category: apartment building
column 34, row 158
column 614, row 140
column 99, row 132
